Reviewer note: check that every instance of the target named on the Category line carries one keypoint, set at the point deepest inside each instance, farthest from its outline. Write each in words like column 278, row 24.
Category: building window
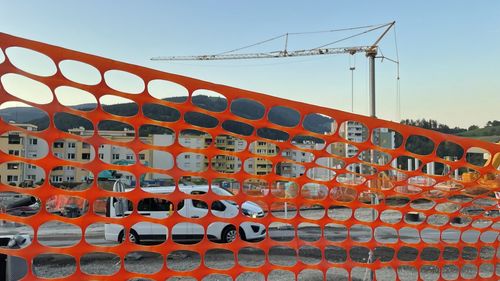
column 58, row 154
column 71, row 156
column 14, row 139
column 142, row 156
column 101, row 156
column 12, row 178
column 129, row 157
column 32, row 155
column 71, row 144
column 33, row 141
column 31, row 177
column 85, row 145
column 58, row 144
column 85, row 156
column 56, row 179
column 116, row 156
column 70, row 179
column 14, row 152
column 12, row 166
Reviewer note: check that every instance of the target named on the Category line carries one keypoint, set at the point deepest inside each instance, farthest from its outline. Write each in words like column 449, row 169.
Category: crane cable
column 285, row 35
column 352, row 36
column 398, row 82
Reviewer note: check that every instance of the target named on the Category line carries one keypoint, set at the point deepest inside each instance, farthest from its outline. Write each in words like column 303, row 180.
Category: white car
column 190, row 208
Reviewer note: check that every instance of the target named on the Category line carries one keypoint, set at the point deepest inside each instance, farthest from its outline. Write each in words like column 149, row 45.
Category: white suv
column 190, row 208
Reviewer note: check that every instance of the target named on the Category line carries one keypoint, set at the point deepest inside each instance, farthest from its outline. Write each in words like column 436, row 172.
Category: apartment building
column 258, row 165
column 20, row 143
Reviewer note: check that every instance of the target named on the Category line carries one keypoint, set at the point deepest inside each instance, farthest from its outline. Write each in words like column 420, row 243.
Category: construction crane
column 370, row 51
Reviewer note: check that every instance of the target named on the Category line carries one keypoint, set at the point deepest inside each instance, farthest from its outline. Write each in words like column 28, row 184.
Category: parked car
column 185, row 232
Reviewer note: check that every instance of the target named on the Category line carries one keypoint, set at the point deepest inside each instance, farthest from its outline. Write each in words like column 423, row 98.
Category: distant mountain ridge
column 64, row 121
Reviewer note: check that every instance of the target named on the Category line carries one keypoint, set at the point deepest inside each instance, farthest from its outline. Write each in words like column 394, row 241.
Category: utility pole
column 371, row 66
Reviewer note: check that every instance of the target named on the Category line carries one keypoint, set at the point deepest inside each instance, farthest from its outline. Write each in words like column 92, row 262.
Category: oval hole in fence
column 113, row 207
column 71, row 178
column 66, row 265
column 26, row 88
column 18, row 231
column 94, row 234
column 281, row 232
column 283, row 210
column 100, row 263
column 192, row 162
column 134, row 262
column 195, row 139
column 183, row 260
column 116, row 180
column 31, row 61
column 157, row 183
column 272, row 134
column 449, row 151
column 116, row 131
column 314, row 191
column 247, row 108
column 230, row 143
column 335, row 232
column 24, row 116
column 156, row 159
column 320, row 124
column 200, row 119
column 156, row 135
column 75, row 98
column 282, row 256
column 21, row 174
column 354, row 131
column 238, row 127
column 116, row 155
column 167, row 91
column 420, row 145
column 255, row 187
column 219, row 259
column 28, row 146
column 59, row 234
column 119, row 106
column 227, row 164
column 387, row 138
column 284, row 116
column 80, row 72
column 209, row 100
column 123, row 81
column 478, row 156
column 160, row 112
column 73, row 124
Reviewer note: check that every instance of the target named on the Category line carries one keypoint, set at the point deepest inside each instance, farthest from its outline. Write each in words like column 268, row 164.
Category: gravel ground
column 57, row 234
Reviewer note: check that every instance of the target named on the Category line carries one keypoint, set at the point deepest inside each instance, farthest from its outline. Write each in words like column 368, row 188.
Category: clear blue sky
column 449, row 50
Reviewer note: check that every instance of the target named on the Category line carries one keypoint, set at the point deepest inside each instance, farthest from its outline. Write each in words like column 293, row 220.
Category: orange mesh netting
column 361, row 192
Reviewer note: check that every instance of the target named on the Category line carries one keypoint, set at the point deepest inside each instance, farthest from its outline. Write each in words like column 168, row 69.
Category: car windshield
column 221, row 191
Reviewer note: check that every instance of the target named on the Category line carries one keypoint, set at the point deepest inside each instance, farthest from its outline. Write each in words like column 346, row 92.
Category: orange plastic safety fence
column 356, row 193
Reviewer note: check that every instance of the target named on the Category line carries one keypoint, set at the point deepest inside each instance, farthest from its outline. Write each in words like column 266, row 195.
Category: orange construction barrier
column 333, row 169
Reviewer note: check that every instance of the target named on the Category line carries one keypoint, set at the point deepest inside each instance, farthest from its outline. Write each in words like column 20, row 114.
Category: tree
column 493, row 123
column 473, row 127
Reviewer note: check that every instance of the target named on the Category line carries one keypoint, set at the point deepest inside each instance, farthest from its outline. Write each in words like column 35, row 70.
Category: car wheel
column 229, row 234
column 133, row 237
column 243, row 236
